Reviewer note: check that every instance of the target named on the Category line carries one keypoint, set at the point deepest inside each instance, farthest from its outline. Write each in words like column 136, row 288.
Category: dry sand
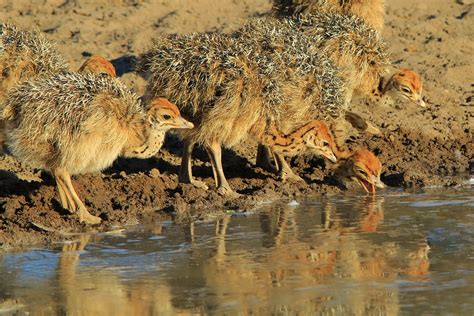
column 418, row 147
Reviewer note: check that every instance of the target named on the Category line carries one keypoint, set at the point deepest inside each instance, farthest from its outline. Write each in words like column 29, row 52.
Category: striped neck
column 292, row 143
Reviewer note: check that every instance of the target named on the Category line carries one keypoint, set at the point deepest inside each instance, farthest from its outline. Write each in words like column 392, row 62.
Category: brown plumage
column 98, row 65
column 24, row 55
column 74, row 123
column 371, row 11
column 313, row 137
column 232, row 89
column 355, row 47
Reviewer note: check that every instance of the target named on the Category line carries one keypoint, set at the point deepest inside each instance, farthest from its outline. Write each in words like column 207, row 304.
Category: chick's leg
column 264, row 159
column 215, row 154
column 285, row 171
column 360, row 123
column 185, row 171
column 65, row 198
column 73, row 198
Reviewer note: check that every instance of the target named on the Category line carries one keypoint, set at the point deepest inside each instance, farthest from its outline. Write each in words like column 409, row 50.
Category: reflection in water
column 328, row 256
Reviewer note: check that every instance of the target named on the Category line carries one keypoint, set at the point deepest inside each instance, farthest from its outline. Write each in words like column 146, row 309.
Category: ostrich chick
column 313, row 137
column 24, row 55
column 355, row 47
column 98, row 65
column 235, row 89
column 75, row 123
column 363, row 167
column 405, row 84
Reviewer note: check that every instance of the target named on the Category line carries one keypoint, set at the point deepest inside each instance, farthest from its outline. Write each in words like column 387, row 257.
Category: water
column 399, row 253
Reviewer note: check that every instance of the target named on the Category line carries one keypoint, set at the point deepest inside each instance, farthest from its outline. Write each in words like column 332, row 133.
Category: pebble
column 293, row 203
column 154, row 173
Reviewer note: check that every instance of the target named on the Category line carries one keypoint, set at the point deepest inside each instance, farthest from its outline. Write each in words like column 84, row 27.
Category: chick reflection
column 91, row 292
column 379, row 256
column 293, row 260
column 102, row 291
column 366, row 215
column 304, row 263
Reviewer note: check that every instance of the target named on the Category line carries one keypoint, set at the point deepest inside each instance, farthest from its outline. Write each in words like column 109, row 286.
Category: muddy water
column 395, row 253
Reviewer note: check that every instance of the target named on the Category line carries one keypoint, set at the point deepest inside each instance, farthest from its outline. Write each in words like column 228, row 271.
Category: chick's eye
column 405, row 89
column 361, row 171
column 325, row 143
column 167, row 117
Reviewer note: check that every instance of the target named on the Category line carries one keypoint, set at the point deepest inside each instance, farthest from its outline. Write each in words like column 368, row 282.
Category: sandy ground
column 418, row 147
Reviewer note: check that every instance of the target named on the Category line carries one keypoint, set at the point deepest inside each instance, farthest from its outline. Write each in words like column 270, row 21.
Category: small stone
column 123, row 174
column 154, row 173
column 392, row 127
column 457, row 154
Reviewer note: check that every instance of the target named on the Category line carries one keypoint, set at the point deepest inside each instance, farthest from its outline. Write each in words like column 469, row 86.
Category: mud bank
column 418, row 147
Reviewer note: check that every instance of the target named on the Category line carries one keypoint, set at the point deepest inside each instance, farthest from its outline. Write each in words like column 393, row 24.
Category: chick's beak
column 371, row 183
column 366, row 185
column 378, row 183
column 420, row 101
column 182, row 123
column 331, row 157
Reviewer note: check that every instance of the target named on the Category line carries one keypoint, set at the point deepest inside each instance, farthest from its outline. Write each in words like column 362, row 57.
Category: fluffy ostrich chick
column 351, row 44
column 24, row 55
column 354, row 46
column 75, row 123
column 235, row 89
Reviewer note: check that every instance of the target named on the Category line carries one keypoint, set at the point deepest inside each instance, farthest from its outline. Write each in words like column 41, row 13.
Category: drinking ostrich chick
column 73, row 123
column 363, row 167
column 24, row 55
column 232, row 90
column 371, row 11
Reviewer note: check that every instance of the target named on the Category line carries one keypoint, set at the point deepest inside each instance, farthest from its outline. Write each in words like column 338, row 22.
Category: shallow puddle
column 395, row 253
